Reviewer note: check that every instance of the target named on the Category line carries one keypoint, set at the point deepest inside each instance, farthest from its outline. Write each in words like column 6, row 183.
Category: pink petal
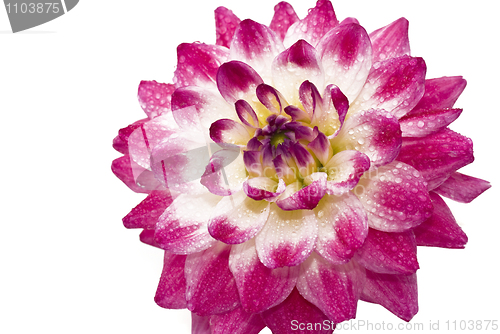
column 271, row 98
column 236, row 81
column 120, row 142
column 306, row 198
column 182, row 228
column 287, row 238
column 321, row 148
column 237, row 218
column 310, row 99
column 296, row 313
column 441, row 93
column 148, row 237
column 395, row 85
column 420, row 122
column 344, row 170
column 437, row 156
column 375, row 133
column 440, row 230
column 347, row 58
column 397, row 293
column 395, row 197
column 260, row 287
column 210, row 285
column 389, row 253
column 246, row 114
column 334, row 289
column 259, row 188
column 134, row 176
column 284, row 17
column 146, row 214
column 391, row 41
column 171, row 292
column 199, row 324
column 462, row 188
column 155, row 97
column 197, row 64
column 229, row 132
column 236, row 321
column 225, row 173
column 225, row 26
column 309, row 29
column 342, row 227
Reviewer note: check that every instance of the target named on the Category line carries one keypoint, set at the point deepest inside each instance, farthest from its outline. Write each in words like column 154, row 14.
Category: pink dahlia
column 293, row 169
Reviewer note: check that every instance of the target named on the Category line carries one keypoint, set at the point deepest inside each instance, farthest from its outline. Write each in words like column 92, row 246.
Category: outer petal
column 199, row 324
column 171, row 292
column 225, row 172
column 197, row 64
column 237, row 218
column 395, row 85
column 260, row 288
column 155, row 97
column 441, row 93
column 397, row 293
column 225, row 26
column 389, row 253
column 182, row 228
column 229, row 132
column 237, row 81
column 146, row 214
column 440, row 230
column 284, row 17
column 134, row 176
column 288, row 237
column 236, row 321
column 295, row 311
column 307, row 197
column 346, row 53
column 120, row 142
column 210, row 286
column 462, row 188
column 438, row 155
column 395, row 197
column 391, row 41
column 420, row 122
column 334, row 289
column 344, row 171
column 342, row 227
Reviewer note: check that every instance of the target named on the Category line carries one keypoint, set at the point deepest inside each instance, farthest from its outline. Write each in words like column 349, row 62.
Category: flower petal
column 137, row 178
column 321, row 148
column 199, row 324
column 462, row 188
column 210, row 285
column 237, row 218
column 236, row 321
column 342, row 227
column 420, row 122
column 295, row 311
column 120, row 142
column 375, row 133
column 437, row 156
column 440, row 230
column 284, row 17
column 225, row 173
column 229, row 132
column 182, row 228
column 146, row 214
column 260, row 188
column 441, row 93
column 155, row 97
column 171, row 291
column 391, row 41
column 225, row 26
column 309, row 29
column 344, row 171
column 307, row 197
column 260, row 287
column 334, row 289
column 197, row 64
column 397, row 293
column 395, row 85
column 148, row 237
column 237, row 81
column 346, row 53
column 288, row 237
column 395, row 197
column 389, row 253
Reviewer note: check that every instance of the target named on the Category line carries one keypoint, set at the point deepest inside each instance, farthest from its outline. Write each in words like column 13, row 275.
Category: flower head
column 293, row 169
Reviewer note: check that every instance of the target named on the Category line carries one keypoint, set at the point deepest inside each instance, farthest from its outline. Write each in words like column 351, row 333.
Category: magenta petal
column 210, row 285
column 263, row 188
column 344, row 170
column 260, row 287
column 307, row 197
column 225, row 26
column 391, row 41
column 334, row 289
column 284, row 17
column 420, row 122
column 397, row 293
column 320, row 146
column 137, row 178
column 171, row 292
column 246, row 114
column 120, row 142
column 440, row 230
column 294, row 314
column 441, row 93
column 235, row 80
column 229, row 132
column 148, row 237
column 225, row 173
column 438, row 155
column 199, row 324
column 462, row 188
column 287, row 238
column 155, row 97
column 395, row 197
column 146, row 214
column 197, row 64
column 271, row 98
column 389, row 253
column 236, row 321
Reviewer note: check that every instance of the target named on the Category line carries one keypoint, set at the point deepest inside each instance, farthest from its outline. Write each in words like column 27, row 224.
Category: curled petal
column 462, row 188
column 420, row 122
column 225, row 26
column 260, row 188
column 229, row 132
column 344, row 171
column 236, row 321
column 441, row 93
column 155, row 97
column 236, row 81
column 307, row 197
column 237, row 218
column 146, row 214
column 287, row 238
column 304, row 160
column 246, row 114
column 310, row 99
column 260, row 287
column 391, row 41
column 272, row 99
column 284, row 17
column 342, row 227
column 395, row 197
column 320, row 146
column 171, row 291
column 225, row 173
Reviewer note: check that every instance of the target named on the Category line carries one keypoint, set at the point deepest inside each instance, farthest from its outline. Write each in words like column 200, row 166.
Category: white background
column 67, row 265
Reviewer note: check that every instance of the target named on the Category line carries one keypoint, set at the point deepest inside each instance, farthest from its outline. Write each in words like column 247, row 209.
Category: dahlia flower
column 293, row 169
